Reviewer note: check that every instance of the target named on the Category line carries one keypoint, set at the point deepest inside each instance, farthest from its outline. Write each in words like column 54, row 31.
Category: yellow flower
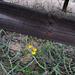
column 29, row 46
column 47, row 43
column 33, row 52
column 34, row 49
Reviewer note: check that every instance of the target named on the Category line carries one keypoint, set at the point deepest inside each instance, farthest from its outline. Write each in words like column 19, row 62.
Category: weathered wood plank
column 36, row 23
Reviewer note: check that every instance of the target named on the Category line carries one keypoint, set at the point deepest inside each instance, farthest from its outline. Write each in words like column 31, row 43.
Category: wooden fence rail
column 32, row 22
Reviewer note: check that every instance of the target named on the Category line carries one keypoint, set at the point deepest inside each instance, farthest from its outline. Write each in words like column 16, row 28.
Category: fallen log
column 32, row 22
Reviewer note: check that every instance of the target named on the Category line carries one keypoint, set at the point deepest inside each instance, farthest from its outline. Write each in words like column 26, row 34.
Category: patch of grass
column 50, row 58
